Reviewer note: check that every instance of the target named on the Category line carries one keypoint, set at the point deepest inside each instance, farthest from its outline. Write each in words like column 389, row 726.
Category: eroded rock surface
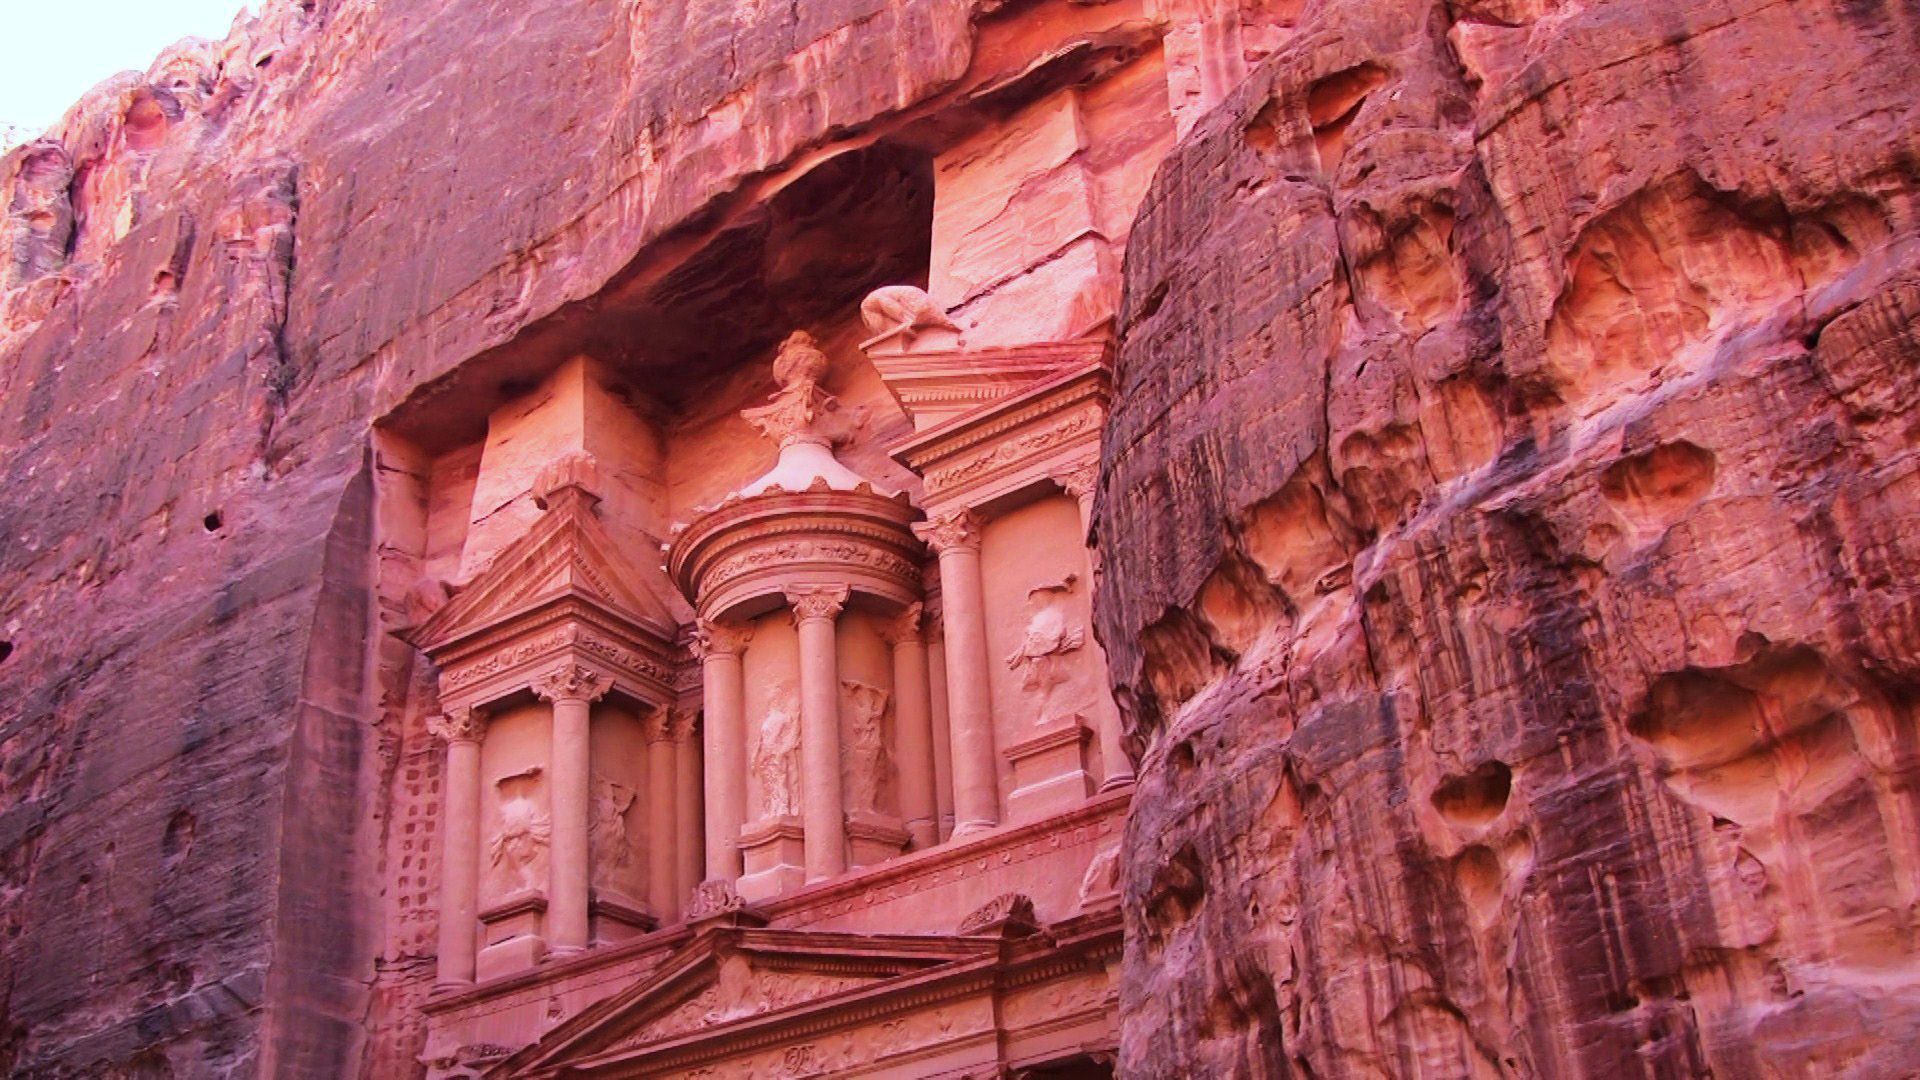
column 1509, row 539
column 1508, row 523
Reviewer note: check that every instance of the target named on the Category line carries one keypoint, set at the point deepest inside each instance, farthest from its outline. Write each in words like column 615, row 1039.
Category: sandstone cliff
column 1508, row 523
column 1509, row 532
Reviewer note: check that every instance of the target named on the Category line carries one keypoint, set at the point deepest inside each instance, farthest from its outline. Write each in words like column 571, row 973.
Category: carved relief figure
column 611, row 850
column 1041, row 655
column 895, row 309
column 517, row 853
column 864, row 760
column 776, row 757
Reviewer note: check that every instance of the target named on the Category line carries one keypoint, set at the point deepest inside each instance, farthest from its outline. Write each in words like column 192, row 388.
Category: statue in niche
column 1041, row 657
column 864, row 761
column 517, row 853
column 776, row 757
column 902, row 309
column 611, row 851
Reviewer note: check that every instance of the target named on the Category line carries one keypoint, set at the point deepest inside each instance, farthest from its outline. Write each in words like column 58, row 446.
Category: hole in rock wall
column 1174, row 895
column 6, row 650
column 177, row 841
column 145, row 123
column 1332, row 104
column 212, row 522
column 1679, row 262
column 1783, row 756
column 1654, row 489
column 1477, row 797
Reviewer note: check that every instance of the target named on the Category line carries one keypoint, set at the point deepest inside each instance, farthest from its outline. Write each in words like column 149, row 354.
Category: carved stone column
column 942, row 730
column 822, row 810
column 663, row 886
column 725, row 760
column 461, row 729
column 976, row 787
column 572, row 690
column 1115, row 767
column 914, row 727
column 685, row 732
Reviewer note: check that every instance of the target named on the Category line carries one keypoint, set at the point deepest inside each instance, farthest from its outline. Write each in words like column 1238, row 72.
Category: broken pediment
column 567, row 554
column 741, row 977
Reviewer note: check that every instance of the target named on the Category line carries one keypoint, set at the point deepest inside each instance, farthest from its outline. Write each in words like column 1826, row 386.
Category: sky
column 52, row 51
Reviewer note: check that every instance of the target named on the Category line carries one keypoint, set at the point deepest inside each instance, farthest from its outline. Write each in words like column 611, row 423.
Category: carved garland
column 1012, row 450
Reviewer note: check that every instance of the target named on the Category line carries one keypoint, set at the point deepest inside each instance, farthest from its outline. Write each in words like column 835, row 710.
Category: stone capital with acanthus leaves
column 713, row 637
column 467, row 723
column 957, row 531
column 817, row 601
column 571, row 682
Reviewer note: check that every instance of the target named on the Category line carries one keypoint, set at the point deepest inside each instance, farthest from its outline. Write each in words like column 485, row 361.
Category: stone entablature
column 747, row 552
column 1045, row 432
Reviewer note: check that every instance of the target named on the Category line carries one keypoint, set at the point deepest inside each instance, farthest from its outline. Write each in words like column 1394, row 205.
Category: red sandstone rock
column 1508, row 541
column 1506, row 529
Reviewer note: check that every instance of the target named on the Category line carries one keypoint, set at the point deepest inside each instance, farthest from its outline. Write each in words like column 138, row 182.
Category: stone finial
column 575, row 476
column 902, row 309
column 794, row 412
column 572, row 682
column 465, row 724
column 715, row 898
column 957, row 531
column 1006, row 915
column 714, row 638
column 817, row 601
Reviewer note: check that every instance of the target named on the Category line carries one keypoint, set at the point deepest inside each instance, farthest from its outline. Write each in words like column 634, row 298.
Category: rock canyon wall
column 1507, row 520
column 1509, row 545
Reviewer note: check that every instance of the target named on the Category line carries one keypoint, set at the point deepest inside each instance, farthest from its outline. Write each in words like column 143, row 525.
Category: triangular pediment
column 729, row 978
column 567, row 553
column 939, row 386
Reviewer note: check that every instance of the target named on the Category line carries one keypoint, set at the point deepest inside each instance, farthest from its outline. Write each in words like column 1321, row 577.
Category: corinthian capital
column 958, row 531
column 683, row 723
column 572, row 682
column 903, row 627
column 465, row 724
column 817, row 601
column 714, row 638
column 1079, row 480
column 657, row 724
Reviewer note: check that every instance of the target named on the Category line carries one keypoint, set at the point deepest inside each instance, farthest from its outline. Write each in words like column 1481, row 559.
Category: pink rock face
column 1506, row 525
column 1507, row 533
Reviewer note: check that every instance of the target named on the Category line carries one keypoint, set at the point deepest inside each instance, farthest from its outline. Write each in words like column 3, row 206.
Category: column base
column 972, row 828
column 613, row 917
column 774, row 850
column 513, row 938
column 1049, row 772
column 873, row 838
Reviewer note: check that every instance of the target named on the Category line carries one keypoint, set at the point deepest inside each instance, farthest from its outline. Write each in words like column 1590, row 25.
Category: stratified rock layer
column 1510, row 544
